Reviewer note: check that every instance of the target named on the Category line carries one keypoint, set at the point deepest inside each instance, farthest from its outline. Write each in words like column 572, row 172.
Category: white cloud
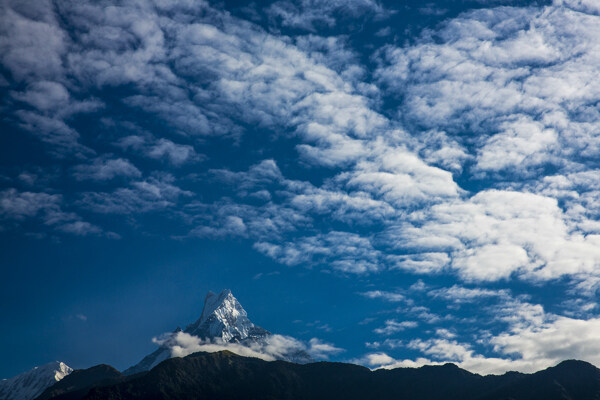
column 523, row 336
column 273, row 347
column 393, row 326
column 525, row 348
column 342, row 251
column 514, row 85
column 322, row 350
column 499, row 233
column 388, row 296
column 517, row 141
column 460, row 294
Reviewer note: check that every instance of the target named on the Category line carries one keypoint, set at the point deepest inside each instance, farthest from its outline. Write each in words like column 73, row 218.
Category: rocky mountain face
column 30, row 384
column 223, row 320
column 224, row 375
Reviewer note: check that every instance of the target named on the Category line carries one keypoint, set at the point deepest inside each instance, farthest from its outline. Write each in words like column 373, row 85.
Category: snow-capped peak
column 223, row 321
column 32, row 383
column 223, row 317
column 212, row 301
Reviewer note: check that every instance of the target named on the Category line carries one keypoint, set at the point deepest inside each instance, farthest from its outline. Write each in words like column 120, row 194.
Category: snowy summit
column 32, row 383
column 224, row 321
column 224, row 317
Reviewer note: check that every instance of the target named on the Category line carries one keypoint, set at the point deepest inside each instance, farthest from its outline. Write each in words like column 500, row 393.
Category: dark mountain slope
column 568, row 380
column 437, row 382
column 227, row 376
column 79, row 382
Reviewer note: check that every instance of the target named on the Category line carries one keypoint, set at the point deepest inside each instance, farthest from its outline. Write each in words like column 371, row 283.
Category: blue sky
column 411, row 183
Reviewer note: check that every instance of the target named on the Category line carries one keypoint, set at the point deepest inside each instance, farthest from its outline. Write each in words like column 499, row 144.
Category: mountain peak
column 223, row 317
column 223, row 320
column 212, row 301
column 30, row 384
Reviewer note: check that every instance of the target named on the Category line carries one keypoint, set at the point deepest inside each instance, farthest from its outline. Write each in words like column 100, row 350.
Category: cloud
column 518, row 94
column 311, row 14
column 44, row 95
column 273, row 347
column 63, row 139
column 160, row 149
column 176, row 154
column 182, row 344
column 342, row 251
column 460, row 294
column 321, row 350
column 80, row 228
column 19, row 205
column 103, row 169
column 499, row 233
column 16, row 207
column 31, row 43
column 395, row 178
column 393, row 326
column 524, row 348
column 388, row 296
column 512, row 333
column 155, row 193
column 226, row 219
column 81, row 317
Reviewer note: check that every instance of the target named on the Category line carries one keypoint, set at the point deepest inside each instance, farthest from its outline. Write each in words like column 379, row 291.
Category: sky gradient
column 407, row 182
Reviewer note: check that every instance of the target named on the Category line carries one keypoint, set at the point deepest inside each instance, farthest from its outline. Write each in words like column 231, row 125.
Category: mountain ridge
column 226, row 375
column 30, row 384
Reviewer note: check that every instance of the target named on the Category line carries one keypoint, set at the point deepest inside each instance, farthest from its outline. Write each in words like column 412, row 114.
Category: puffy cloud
column 499, row 233
column 273, row 347
column 31, row 43
column 513, row 85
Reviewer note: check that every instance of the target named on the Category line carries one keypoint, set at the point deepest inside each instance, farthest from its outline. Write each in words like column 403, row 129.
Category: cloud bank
column 274, row 347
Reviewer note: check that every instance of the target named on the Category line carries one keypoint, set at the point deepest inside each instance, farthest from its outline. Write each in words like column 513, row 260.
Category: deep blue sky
column 408, row 182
